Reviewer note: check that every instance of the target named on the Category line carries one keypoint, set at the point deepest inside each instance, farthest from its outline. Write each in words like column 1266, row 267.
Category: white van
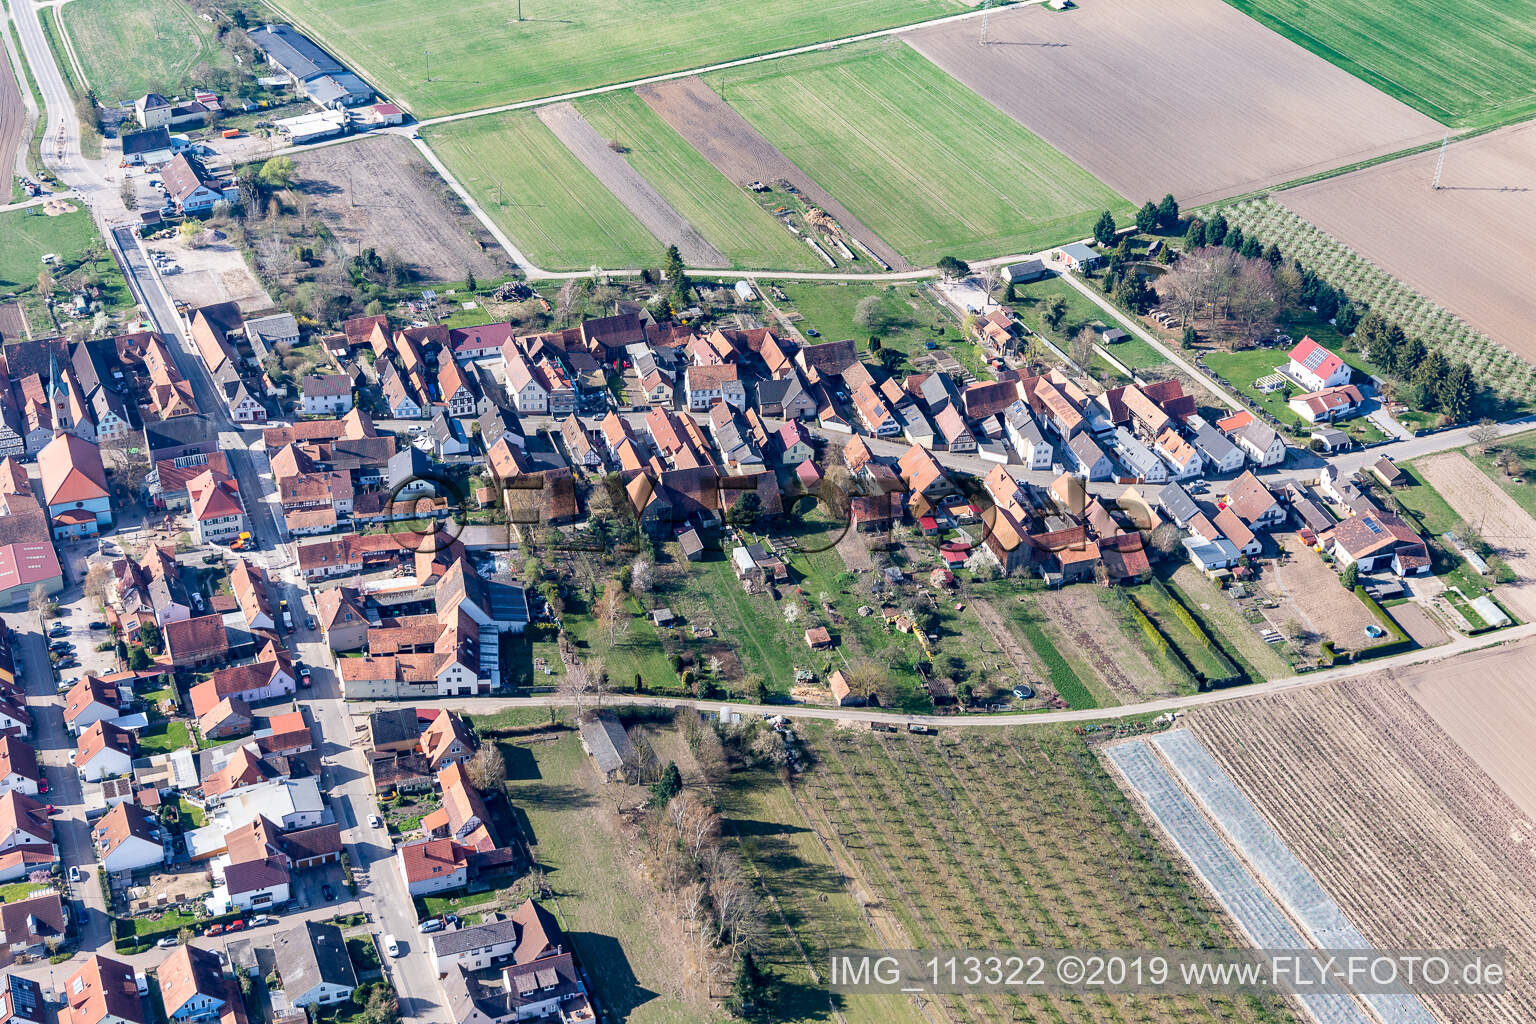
column 391, row 946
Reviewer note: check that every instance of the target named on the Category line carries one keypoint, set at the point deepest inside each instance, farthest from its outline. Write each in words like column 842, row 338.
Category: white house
column 287, row 803
column 1182, row 458
column 1258, row 440
column 90, row 701
column 127, row 838
column 326, row 394
column 24, row 824
column 1138, row 458
column 433, row 865
column 104, row 752
column 706, row 385
column 1327, row 405
column 1087, row 459
column 525, row 383
column 1027, row 437
column 1316, row 368
column 19, row 772
column 312, row 960
column 1219, row 453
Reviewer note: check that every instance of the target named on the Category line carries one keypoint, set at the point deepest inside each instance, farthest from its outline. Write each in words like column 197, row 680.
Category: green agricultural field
column 927, row 164
column 30, row 233
column 131, row 47
column 1467, row 66
column 723, row 213
column 551, row 206
column 481, row 54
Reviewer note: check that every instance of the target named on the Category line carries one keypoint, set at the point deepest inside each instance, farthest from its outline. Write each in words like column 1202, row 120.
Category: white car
column 374, row 821
column 391, row 946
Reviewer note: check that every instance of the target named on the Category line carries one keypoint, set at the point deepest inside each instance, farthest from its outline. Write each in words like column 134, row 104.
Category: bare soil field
column 1466, row 245
column 1486, row 702
column 1098, row 639
column 1502, row 522
column 381, row 193
column 1395, row 820
column 1192, row 98
column 637, row 195
column 1416, row 622
column 738, row 151
column 216, row 272
column 1310, row 593
column 13, row 119
column 13, row 322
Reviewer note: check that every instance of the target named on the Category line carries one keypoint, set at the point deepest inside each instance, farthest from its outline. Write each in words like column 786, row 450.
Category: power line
column 1440, row 166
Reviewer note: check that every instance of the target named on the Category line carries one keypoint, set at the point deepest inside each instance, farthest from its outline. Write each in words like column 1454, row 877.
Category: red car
column 234, row 926
column 217, row 929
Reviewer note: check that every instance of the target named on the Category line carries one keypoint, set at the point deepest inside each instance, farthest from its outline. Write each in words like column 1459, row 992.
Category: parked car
column 260, row 920
column 309, row 622
column 235, row 925
column 428, row 927
column 304, row 673
column 59, row 630
column 217, row 929
column 327, row 891
column 374, row 821
column 98, row 625
column 167, row 942
column 74, row 872
column 391, row 945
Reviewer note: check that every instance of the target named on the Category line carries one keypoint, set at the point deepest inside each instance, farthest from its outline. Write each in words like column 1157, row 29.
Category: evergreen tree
column 1272, row 255
column 1104, row 229
column 1146, row 217
column 1234, row 239
column 1216, row 230
column 1168, row 211
column 1409, row 356
column 1194, row 235
column 1457, row 392
column 1251, row 248
column 469, row 280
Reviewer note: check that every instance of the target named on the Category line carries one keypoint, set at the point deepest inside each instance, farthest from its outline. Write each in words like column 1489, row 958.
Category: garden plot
column 1311, row 595
column 1394, row 819
column 1097, row 636
column 1191, row 98
column 738, row 151
column 637, row 195
column 1254, row 910
column 1466, row 245
column 1486, row 703
column 1501, row 521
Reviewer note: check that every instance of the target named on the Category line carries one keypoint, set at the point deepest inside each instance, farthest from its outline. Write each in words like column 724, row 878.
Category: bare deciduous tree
column 1081, row 349
column 641, row 576
column 487, row 769
column 1484, row 434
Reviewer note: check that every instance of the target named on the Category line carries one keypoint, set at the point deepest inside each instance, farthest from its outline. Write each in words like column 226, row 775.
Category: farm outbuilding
column 1079, row 256
column 604, row 739
column 1027, row 270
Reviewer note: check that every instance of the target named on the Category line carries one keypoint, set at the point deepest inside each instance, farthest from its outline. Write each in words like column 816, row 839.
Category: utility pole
column 519, row 10
column 428, row 54
column 986, row 14
column 1440, row 166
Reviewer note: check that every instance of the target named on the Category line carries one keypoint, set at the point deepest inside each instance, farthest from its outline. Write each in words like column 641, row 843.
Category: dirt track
column 1466, row 245
column 1484, row 506
column 637, row 195
column 13, row 117
column 737, row 151
column 1192, row 98
column 1397, row 822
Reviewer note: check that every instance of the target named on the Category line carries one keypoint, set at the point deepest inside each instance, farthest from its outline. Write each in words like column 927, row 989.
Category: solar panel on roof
column 1372, row 525
column 1315, row 358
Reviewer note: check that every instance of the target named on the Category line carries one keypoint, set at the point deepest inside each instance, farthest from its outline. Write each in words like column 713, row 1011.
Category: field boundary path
column 1515, row 635
column 628, row 186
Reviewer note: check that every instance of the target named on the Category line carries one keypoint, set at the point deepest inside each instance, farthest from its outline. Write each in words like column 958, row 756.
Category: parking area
column 72, row 636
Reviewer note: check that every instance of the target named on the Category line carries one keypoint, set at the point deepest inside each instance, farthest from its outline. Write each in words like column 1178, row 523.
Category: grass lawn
column 14, row 892
column 166, row 39
column 1159, row 607
column 1224, row 623
column 1463, row 68
column 30, row 233
column 550, row 205
column 191, row 814
column 1430, row 512
column 171, row 920
column 1523, row 447
column 725, row 214
column 1242, row 368
column 924, row 162
column 435, row 906
column 600, row 905
column 164, row 737
column 482, row 54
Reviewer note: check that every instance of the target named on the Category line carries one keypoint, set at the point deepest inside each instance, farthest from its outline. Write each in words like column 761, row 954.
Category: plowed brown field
column 13, row 119
column 1396, row 821
column 1192, row 98
column 1485, row 506
column 1466, row 245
